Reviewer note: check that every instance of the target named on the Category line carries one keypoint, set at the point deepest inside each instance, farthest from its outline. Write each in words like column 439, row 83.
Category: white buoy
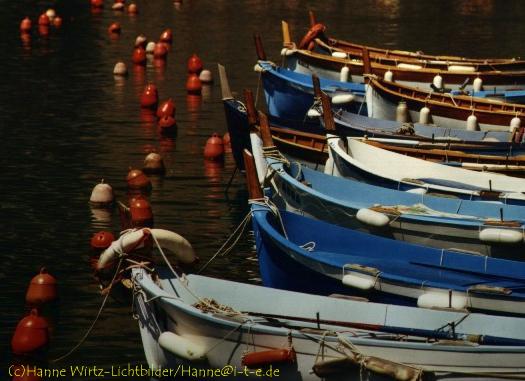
column 478, row 84
column 51, row 14
column 118, row 6
column 258, row 68
column 515, row 123
column 153, row 164
column 438, row 81
column 150, row 47
column 342, row 99
column 205, row 76
column 424, row 115
column 372, row 218
column 402, row 112
column 181, row 346
column 472, row 123
column 140, row 40
column 495, row 235
column 102, row 195
column 345, row 74
column 120, row 69
column 389, row 76
column 339, row 54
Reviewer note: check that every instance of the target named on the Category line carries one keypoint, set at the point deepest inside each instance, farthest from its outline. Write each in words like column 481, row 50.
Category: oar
column 440, row 335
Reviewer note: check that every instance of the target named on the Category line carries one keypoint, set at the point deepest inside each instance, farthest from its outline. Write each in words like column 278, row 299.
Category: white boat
column 218, row 323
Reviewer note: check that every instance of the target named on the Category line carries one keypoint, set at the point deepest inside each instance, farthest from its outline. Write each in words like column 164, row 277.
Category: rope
column 88, row 332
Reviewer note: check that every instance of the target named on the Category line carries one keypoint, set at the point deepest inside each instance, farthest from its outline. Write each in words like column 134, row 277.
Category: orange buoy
column 101, row 240
column 133, row 9
column 137, row 180
column 102, row 195
column 154, row 164
column 149, row 97
column 114, row 28
column 25, row 25
column 166, row 122
column 166, row 108
column 140, row 212
column 42, row 289
column 97, row 3
column 214, row 148
column 272, row 356
column 57, row 22
column 160, row 51
column 20, row 373
column 193, row 84
column 139, row 56
column 43, row 19
column 194, row 64
column 31, row 335
column 166, row 36
column 226, row 141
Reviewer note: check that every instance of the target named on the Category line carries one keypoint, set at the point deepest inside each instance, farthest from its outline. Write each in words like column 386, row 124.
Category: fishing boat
column 326, row 44
column 242, row 328
column 478, row 227
column 303, row 254
column 446, row 110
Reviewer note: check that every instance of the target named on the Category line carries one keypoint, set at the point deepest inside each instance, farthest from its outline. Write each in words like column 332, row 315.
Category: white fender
column 287, row 52
column 342, row 99
column 438, row 81
column 339, row 54
column 258, row 68
column 515, row 123
column 371, row 217
column 472, row 123
column 344, row 74
column 444, row 299
column 260, row 163
column 403, row 65
column 359, row 282
column 424, row 115
column 461, row 68
column 313, row 113
column 477, row 85
column 181, row 346
column 402, row 114
column 417, row 191
column 496, row 235
column 170, row 241
column 389, row 76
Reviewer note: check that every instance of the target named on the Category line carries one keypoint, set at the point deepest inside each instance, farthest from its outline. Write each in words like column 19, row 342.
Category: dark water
column 65, row 123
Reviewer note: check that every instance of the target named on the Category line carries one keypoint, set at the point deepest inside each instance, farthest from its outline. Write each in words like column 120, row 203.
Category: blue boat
column 303, row 254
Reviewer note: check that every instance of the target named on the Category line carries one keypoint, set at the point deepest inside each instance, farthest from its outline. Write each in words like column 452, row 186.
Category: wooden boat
column 478, row 227
column 329, row 258
column 224, row 324
column 323, row 43
column 352, row 70
column 445, row 110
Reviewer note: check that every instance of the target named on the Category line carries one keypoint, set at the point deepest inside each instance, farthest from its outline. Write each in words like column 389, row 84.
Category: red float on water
column 149, row 97
column 97, row 3
column 166, row 108
column 43, row 19
column 166, row 122
column 57, row 21
column 193, row 84
column 101, row 240
column 194, row 64
column 160, row 51
column 166, row 36
column 114, row 28
column 137, row 180
column 139, row 56
column 140, row 212
column 25, row 25
column 43, row 30
column 214, row 148
column 42, row 289
column 31, row 335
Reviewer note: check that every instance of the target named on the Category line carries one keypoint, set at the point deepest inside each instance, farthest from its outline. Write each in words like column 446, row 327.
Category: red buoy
column 42, row 289
column 194, row 64
column 160, row 51
column 57, row 21
column 272, row 356
column 149, row 97
column 43, row 30
column 139, row 56
column 193, row 84
column 166, row 122
column 166, row 36
column 97, row 3
column 166, row 108
column 140, row 212
column 132, row 9
column 25, row 25
column 137, row 180
column 101, row 240
column 227, row 142
column 214, row 148
column 31, row 335
column 114, row 28
column 43, row 19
